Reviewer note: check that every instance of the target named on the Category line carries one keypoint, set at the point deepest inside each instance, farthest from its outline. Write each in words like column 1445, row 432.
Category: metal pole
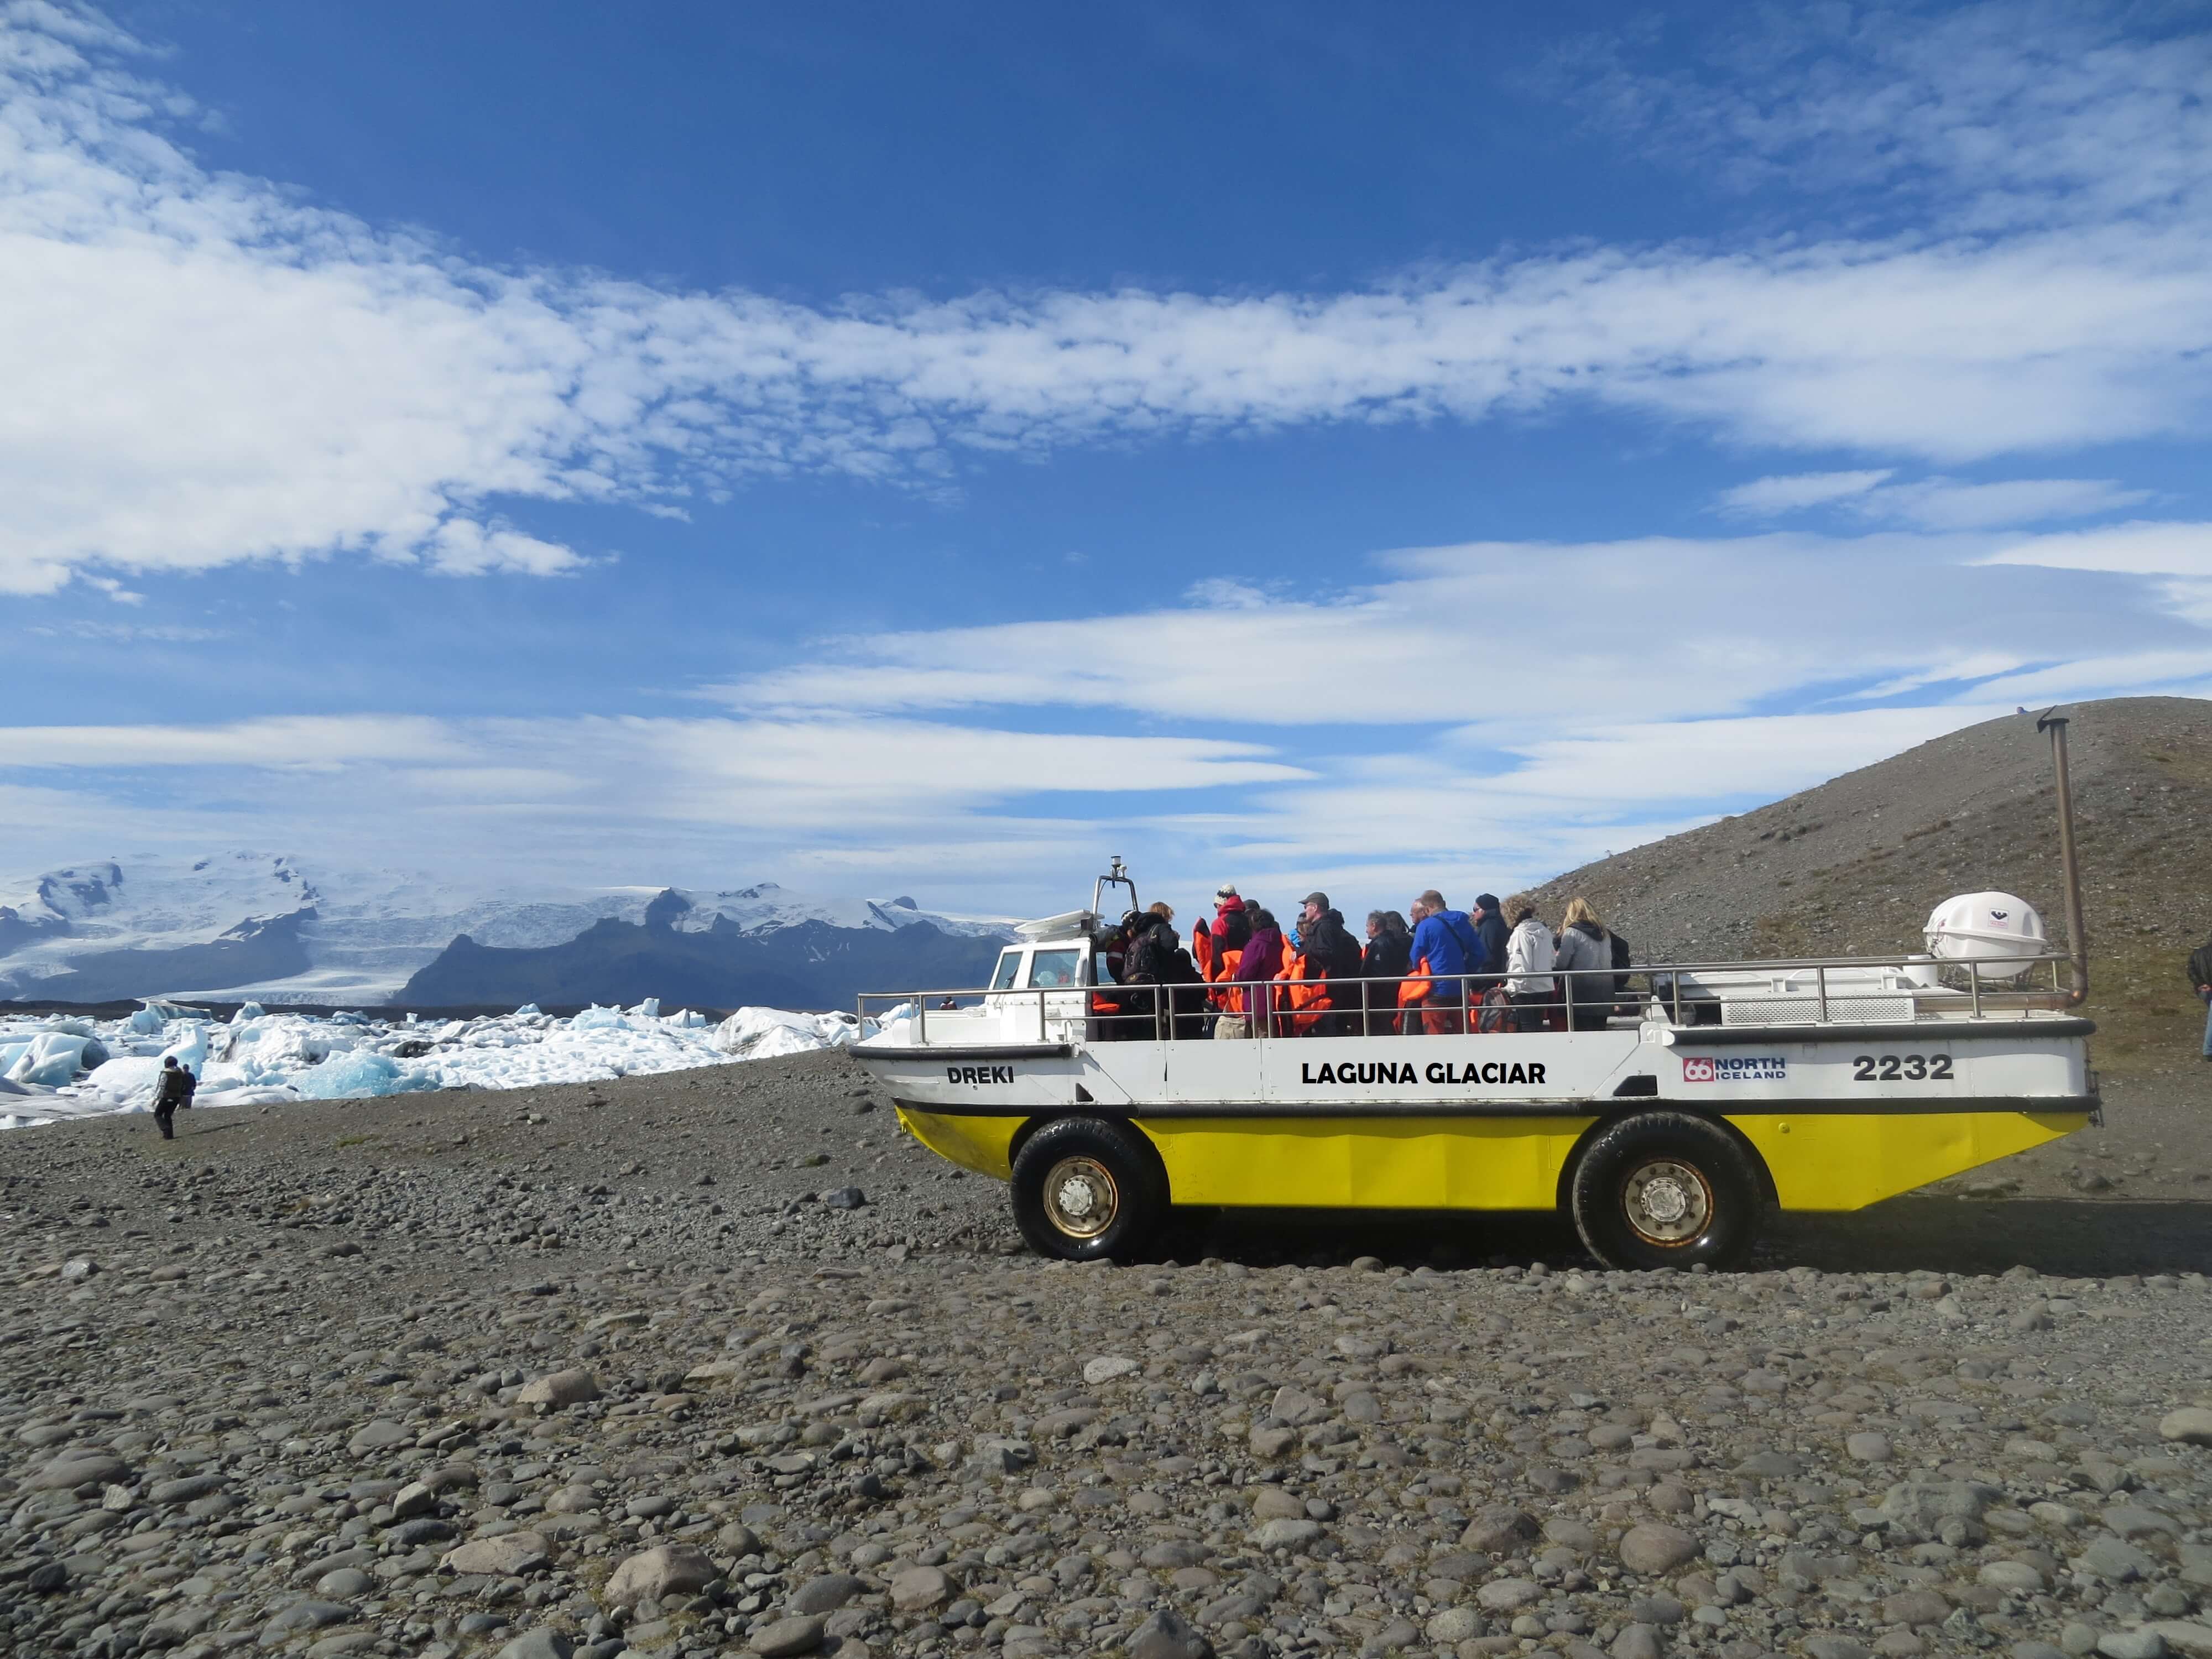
column 1821, row 981
column 2077, row 937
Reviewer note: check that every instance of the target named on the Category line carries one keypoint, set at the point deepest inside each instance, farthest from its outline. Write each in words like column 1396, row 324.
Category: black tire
column 1666, row 1190
column 1071, row 1166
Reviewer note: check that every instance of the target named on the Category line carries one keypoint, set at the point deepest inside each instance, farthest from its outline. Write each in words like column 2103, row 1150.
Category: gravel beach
column 719, row 1362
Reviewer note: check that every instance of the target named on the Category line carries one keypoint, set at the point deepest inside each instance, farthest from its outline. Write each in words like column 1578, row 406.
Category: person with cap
column 1232, row 919
column 1331, row 952
column 174, row 1090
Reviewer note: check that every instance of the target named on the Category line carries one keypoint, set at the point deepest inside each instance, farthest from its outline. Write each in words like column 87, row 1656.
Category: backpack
column 1622, row 1002
column 1497, row 1013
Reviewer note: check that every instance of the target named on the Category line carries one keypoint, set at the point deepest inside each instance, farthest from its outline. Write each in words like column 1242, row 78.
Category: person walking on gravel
column 174, row 1090
column 2200, row 976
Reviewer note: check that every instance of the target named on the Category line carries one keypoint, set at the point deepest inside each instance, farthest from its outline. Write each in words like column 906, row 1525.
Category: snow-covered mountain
column 261, row 926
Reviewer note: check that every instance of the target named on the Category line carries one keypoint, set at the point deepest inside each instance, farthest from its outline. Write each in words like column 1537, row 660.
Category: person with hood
column 174, row 1090
column 2200, row 976
column 1254, row 973
column 1530, row 957
column 1388, row 955
column 1585, row 951
column 1232, row 921
column 1331, row 952
column 1445, row 948
column 1150, row 958
column 1489, row 918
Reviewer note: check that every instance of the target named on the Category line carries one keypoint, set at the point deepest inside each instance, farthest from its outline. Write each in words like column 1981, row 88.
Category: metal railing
column 1463, row 1004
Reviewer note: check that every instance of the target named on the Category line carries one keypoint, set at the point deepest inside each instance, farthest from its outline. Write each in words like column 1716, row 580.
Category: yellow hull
column 1818, row 1160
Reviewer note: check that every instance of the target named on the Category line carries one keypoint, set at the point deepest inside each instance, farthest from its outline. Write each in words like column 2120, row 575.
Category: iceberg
column 52, row 1059
column 350, row 1075
column 770, row 1033
column 261, row 1058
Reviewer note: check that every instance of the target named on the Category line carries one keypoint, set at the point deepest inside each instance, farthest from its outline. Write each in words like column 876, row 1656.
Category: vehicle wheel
column 1665, row 1189
column 1085, row 1187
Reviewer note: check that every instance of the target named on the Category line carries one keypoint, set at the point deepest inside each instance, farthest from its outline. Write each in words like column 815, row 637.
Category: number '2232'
column 1889, row 1068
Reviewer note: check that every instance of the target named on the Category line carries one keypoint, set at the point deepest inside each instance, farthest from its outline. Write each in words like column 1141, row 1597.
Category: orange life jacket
column 1415, row 987
column 1310, row 997
column 1228, row 999
column 1201, row 950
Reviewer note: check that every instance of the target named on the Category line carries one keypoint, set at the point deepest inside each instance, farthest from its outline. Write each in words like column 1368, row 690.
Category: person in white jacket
column 1531, row 955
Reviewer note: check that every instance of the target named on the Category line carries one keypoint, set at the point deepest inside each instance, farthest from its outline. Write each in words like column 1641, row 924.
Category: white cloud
column 2143, row 549
column 203, row 369
column 1517, row 634
column 283, row 742
column 2001, row 113
column 1768, row 497
column 1936, row 503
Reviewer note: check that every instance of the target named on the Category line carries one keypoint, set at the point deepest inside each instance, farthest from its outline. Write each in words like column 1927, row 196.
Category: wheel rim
column 1080, row 1198
column 1667, row 1203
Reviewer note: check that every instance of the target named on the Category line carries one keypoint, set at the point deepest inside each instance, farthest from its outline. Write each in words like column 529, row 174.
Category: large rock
column 567, row 1388
column 1106, row 1367
column 74, row 1469
column 2190, row 1424
column 543, row 1643
column 1654, row 1549
column 1498, row 1531
column 1273, row 1503
column 184, row 1489
column 1285, row 1534
column 1453, row 1625
column 826, row 1593
column 1929, row 1503
column 664, row 1571
column 802, row 1634
column 2186, row 1636
column 1507, row 1595
column 379, row 1436
column 507, row 1556
column 1166, row 1636
column 917, row 1589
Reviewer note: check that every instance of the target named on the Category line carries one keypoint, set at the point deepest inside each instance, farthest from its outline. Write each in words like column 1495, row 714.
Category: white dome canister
column 1992, row 931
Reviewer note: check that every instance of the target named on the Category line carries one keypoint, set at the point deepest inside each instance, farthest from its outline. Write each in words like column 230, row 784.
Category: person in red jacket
column 1232, row 921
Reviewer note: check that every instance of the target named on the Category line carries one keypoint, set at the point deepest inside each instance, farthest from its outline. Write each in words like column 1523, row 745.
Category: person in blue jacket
column 1448, row 940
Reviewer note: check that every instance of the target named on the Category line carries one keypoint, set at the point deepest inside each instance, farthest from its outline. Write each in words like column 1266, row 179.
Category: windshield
column 1010, row 963
column 1055, row 968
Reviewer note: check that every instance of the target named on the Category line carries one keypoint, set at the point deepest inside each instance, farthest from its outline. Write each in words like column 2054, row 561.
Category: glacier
column 270, row 927
column 53, row 1067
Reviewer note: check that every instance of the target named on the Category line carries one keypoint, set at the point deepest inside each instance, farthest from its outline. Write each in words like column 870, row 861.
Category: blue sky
column 926, row 450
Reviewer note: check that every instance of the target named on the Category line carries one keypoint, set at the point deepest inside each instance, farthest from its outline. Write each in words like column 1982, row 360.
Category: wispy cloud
column 1791, row 492
column 203, row 369
column 1936, row 503
column 1679, row 628
column 1996, row 115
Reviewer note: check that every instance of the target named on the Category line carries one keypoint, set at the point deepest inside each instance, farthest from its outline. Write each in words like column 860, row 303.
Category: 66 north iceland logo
column 1734, row 1068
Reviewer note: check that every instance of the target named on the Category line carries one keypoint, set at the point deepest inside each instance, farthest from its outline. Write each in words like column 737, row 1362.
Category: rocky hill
column 1855, row 865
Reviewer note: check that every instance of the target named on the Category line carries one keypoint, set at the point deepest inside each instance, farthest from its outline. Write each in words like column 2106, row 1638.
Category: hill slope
column 1855, row 865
